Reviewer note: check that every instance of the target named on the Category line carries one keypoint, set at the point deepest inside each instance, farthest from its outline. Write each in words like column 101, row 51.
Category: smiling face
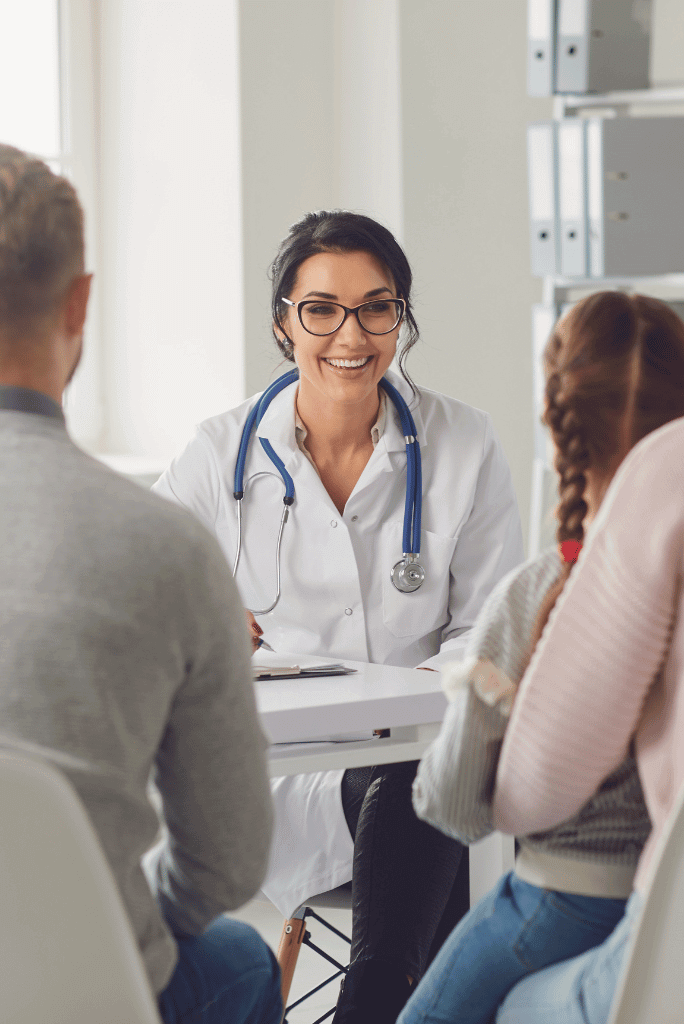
column 343, row 367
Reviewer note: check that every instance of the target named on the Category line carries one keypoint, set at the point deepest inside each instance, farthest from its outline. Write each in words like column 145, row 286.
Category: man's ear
column 75, row 303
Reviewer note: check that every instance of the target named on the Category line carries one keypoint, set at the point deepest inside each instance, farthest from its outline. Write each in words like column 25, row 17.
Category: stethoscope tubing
column 414, row 483
column 414, row 480
column 253, row 420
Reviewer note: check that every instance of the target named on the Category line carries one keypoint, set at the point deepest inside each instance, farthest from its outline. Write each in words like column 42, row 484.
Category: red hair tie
column 569, row 550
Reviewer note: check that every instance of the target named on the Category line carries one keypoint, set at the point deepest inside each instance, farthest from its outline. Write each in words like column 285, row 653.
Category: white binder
column 541, row 151
column 602, row 45
column 572, row 198
column 635, row 206
column 541, row 44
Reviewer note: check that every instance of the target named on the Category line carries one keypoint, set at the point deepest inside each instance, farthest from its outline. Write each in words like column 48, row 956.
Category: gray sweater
column 123, row 645
column 596, row 852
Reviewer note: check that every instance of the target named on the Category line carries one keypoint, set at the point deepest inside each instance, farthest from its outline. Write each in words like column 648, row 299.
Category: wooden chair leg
column 288, row 952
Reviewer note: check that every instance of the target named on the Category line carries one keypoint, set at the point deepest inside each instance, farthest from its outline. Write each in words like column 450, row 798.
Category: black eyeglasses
column 320, row 317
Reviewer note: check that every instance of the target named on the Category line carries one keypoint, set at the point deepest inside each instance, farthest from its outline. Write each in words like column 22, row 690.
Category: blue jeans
column 226, row 974
column 515, row 930
column 579, row 991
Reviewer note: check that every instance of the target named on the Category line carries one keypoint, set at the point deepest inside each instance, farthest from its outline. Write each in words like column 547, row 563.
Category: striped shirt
column 594, row 853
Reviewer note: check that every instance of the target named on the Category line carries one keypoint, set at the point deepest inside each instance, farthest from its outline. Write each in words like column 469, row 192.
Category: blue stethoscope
column 408, row 574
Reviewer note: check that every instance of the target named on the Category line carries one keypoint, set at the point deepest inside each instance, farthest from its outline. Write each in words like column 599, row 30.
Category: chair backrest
column 68, row 954
column 652, row 985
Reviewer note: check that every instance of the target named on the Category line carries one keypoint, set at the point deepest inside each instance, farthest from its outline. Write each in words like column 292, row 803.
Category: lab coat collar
column 278, row 425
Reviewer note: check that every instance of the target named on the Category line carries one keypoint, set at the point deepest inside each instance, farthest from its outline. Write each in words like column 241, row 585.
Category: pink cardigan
column 594, row 681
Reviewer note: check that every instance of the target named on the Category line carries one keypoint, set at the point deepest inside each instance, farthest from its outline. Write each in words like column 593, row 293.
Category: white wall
column 413, row 111
column 429, row 100
column 288, row 166
column 84, row 399
column 368, row 128
column 321, row 128
column 171, row 267
column 465, row 112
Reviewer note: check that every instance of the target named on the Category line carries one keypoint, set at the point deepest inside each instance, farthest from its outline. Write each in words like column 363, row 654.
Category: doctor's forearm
column 451, row 649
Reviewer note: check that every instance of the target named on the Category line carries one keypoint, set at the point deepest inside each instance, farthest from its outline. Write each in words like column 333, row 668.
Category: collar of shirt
column 279, row 426
column 279, row 422
column 19, row 399
column 377, row 430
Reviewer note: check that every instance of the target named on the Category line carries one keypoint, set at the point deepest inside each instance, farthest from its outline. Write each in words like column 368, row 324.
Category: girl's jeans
column 515, row 930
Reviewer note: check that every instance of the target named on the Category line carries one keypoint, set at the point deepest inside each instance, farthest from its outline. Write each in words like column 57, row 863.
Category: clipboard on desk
column 265, row 672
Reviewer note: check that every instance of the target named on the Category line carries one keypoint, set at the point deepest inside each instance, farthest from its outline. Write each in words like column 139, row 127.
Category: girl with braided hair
column 614, row 372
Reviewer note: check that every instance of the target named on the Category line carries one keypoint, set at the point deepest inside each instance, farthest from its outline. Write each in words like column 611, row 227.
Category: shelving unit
column 558, row 292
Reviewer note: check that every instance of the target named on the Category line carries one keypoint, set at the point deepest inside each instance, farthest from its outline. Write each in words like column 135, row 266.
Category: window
column 29, row 78
column 46, row 76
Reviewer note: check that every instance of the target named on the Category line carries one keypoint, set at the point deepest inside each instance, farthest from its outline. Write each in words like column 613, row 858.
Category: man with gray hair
column 124, row 643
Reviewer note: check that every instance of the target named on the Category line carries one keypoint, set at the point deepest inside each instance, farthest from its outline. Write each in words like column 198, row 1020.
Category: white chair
column 68, row 954
column 651, row 990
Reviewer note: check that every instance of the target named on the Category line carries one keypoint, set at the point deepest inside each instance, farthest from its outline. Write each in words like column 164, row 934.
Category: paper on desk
column 295, row 672
column 272, row 665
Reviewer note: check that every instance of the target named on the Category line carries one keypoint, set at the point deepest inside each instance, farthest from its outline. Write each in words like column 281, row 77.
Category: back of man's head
column 41, row 242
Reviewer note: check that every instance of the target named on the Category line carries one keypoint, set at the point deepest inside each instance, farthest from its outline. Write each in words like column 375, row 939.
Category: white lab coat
column 337, row 597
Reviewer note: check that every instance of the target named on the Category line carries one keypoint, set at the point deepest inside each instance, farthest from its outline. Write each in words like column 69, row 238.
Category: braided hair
column 614, row 372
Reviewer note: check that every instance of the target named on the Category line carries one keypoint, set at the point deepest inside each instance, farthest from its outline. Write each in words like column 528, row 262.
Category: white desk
column 408, row 701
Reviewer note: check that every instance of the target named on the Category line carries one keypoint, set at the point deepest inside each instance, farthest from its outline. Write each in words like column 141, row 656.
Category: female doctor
column 341, row 300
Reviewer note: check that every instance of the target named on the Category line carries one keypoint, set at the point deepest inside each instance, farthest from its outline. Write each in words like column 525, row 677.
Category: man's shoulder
column 138, row 547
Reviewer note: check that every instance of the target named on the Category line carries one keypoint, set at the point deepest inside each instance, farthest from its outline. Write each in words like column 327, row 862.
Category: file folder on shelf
column 541, row 151
column 602, row 45
column 541, row 44
column 572, row 198
column 634, row 179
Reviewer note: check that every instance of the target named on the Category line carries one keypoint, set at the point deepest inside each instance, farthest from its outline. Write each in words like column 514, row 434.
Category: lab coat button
column 347, row 611
column 354, row 519
column 333, row 523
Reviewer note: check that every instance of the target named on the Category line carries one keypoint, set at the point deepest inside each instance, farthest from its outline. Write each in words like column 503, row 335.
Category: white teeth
column 351, row 363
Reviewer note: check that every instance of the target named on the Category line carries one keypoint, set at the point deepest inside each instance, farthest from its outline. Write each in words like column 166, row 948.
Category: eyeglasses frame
column 347, row 311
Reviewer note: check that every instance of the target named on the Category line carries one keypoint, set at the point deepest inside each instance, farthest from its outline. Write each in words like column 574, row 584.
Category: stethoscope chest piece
column 408, row 575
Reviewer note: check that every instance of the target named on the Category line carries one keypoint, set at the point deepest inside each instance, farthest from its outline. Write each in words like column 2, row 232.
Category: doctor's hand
column 255, row 630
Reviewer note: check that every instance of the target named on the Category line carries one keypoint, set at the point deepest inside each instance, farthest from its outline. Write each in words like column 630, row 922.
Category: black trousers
column 410, row 883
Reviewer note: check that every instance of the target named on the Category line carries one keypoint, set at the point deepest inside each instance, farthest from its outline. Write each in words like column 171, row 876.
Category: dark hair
column 41, row 239
column 340, row 231
column 614, row 372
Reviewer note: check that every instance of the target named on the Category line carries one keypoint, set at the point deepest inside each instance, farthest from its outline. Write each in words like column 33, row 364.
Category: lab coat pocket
column 427, row 608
